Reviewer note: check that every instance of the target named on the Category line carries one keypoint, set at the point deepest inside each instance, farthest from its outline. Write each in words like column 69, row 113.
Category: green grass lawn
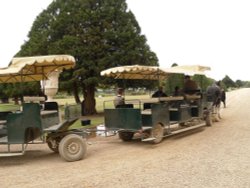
column 8, row 107
column 97, row 119
column 100, row 101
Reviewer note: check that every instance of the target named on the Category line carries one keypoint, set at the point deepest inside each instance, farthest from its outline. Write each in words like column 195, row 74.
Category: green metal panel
column 160, row 113
column 197, row 108
column 3, row 115
column 196, row 111
column 25, row 126
column 15, row 128
column 182, row 114
column 185, row 113
column 50, row 119
column 174, row 115
column 147, row 120
column 32, row 116
column 123, row 118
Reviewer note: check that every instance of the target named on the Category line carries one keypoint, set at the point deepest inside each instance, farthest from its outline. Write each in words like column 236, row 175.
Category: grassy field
column 8, row 107
column 100, row 101
column 97, row 119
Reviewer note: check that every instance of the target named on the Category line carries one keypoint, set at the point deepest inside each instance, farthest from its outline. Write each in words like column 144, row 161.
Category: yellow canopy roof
column 189, row 69
column 151, row 72
column 36, row 68
column 135, row 72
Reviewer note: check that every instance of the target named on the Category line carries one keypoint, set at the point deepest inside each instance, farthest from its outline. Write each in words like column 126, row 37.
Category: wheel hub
column 73, row 148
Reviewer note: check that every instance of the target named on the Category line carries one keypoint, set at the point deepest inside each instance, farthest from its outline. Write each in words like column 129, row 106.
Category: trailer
column 155, row 118
column 34, row 123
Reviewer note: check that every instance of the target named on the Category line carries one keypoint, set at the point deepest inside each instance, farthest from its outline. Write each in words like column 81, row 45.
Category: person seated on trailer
column 159, row 93
column 190, row 86
column 119, row 99
column 177, row 91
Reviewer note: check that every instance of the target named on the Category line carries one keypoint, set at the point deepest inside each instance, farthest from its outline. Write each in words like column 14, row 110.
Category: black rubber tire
column 72, row 147
column 157, row 132
column 126, row 135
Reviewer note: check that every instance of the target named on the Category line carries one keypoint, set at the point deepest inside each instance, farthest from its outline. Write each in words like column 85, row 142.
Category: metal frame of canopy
column 36, row 68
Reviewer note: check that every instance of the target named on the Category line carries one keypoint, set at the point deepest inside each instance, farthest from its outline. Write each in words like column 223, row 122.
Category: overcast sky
column 214, row 33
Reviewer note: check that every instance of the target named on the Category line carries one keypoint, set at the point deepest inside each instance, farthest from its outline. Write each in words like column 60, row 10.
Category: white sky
column 214, row 33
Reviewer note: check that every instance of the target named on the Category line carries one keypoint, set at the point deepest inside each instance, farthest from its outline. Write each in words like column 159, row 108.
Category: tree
column 173, row 81
column 17, row 90
column 203, row 81
column 178, row 80
column 99, row 33
column 228, row 82
column 239, row 83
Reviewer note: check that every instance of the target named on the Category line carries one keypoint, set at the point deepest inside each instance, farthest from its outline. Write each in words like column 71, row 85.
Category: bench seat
column 46, row 112
column 146, row 112
column 173, row 109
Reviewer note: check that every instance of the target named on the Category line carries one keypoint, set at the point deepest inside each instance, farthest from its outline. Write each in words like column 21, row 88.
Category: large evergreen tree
column 98, row 33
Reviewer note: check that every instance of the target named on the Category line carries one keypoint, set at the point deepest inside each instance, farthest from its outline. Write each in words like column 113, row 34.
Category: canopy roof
column 151, row 72
column 135, row 72
column 36, row 68
column 189, row 69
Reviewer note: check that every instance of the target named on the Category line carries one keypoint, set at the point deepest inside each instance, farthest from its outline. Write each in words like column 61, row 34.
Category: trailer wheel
column 126, row 136
column 157, row 133
column 72, row 147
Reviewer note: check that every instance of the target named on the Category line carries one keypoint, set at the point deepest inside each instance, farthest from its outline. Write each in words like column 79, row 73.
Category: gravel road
column 211, row 157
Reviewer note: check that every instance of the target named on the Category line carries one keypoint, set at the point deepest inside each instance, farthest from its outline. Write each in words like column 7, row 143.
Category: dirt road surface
column 212, row 157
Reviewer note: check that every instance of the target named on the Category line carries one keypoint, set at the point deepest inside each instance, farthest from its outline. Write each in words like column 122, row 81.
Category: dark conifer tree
column 99, row 33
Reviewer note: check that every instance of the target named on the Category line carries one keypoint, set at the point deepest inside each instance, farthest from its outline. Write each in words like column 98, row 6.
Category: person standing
column 213, row 98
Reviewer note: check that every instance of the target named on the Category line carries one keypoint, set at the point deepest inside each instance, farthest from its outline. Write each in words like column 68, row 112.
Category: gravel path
column 212, row 157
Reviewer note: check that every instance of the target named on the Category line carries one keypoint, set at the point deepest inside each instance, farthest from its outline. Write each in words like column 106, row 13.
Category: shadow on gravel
column 31, row 156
